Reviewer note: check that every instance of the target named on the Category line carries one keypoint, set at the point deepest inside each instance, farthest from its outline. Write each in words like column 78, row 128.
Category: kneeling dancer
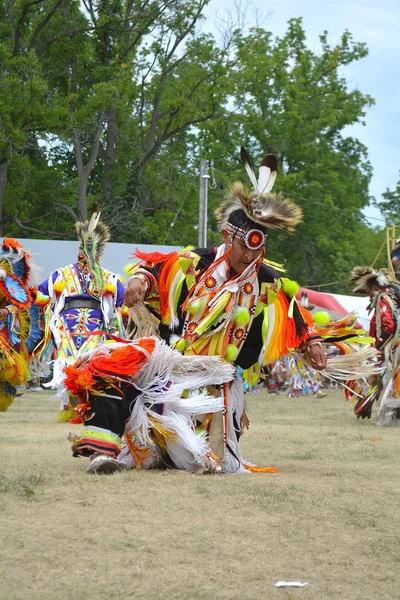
column 149, row 393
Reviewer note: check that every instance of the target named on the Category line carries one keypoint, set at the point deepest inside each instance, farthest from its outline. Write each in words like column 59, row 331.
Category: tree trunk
column 109, row 155
column 82, row 192
column 3, row 177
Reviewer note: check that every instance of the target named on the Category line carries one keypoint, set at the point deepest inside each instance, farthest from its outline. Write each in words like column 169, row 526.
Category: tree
column 391, row 207
column 295, row 103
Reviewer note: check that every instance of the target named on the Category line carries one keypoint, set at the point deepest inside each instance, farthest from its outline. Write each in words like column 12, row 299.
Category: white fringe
column 162, row 380
column 230, row 463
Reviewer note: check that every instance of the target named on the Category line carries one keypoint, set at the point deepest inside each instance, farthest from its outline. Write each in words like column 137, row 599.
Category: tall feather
column 245, row 158
column 94, row 219
column 267, row 173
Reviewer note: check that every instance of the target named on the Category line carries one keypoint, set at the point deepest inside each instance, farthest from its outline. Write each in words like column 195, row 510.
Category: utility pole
column 203, row 198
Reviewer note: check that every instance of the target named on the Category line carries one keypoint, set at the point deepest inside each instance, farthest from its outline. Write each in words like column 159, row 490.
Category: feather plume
column 267, row 209
column 237, row 197
column 93, row 238
column 267, row 173
column 271, row 210
column 275, row 210
column 245, row 158
column 94, row 219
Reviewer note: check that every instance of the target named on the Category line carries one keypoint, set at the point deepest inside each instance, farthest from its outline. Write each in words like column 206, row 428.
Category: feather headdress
column 361, row 278
column 262, row 206
column 93, row 236
column 16, row 260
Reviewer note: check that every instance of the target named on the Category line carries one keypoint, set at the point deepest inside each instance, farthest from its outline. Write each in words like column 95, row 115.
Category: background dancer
column 81, row 304
column 19, row 331
column 385, row 328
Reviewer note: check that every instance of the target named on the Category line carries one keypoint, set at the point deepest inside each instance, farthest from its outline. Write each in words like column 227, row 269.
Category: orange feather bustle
column 78, row 380
column 125, row 361
column 122, row 361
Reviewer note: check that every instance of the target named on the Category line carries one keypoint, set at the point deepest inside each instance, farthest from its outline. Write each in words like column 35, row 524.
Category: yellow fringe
column 5, row 401
column 64, row 415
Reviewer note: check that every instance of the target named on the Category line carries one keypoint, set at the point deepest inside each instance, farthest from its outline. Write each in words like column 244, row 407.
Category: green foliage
column 295, row 103
column 117, row 102
column 391, row 207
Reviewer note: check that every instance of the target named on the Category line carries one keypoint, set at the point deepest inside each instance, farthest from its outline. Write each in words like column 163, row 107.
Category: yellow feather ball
column 180, row 345
column 290, row 287
column 321, row 317
column 242, row 317
column 59, row 286
column 194, row 306
column 110, row 288
column 231, row 352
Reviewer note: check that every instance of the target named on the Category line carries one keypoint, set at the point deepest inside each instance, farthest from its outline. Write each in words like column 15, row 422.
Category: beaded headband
column 253, row 238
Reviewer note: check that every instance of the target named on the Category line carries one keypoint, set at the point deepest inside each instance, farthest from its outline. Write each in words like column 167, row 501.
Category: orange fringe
column 260, row 469
column 138, row 454
column 154, row 257
column 168, row 272
column 284, row 336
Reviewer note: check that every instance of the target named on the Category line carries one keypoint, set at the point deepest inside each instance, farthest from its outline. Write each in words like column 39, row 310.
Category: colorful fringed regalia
column 383, row 387
column 81, row 303
column 351, row 359
column 19, row 330
column 303, row 380
column 230, row 302
column 144, row 396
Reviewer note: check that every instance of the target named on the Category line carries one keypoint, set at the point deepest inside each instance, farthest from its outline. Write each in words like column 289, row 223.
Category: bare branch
column 67, row 209
column 69, row 33
column 167, row 135
column 44, row 22
column 24, row 227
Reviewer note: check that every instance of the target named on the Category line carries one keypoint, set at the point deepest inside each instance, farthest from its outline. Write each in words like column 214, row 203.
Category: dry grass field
column 330, row 517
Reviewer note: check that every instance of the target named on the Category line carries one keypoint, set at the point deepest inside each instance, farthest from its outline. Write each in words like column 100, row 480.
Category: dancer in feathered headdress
column 384, row 294
column 19, row 330
column 229, row 301
column 81, row 302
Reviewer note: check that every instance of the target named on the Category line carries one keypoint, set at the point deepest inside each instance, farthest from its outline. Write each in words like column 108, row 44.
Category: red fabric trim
column 95, row 445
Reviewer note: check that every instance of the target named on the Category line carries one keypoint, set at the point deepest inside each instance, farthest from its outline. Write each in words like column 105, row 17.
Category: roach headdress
column 362, row 277
column 93, row 237
column 269, row 209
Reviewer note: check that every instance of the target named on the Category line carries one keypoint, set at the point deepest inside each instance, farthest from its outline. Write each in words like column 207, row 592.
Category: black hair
column 238, row 218
column 373, row 281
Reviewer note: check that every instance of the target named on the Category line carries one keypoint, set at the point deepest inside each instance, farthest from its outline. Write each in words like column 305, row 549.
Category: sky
column 377, row 23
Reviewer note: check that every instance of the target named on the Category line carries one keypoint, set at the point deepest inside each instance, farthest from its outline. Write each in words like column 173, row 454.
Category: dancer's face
column 241, row 256
column 372, row 290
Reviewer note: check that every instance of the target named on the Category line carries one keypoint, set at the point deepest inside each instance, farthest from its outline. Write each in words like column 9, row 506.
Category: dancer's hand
column 3, row 313
column 135, row 292
column 317, row 357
